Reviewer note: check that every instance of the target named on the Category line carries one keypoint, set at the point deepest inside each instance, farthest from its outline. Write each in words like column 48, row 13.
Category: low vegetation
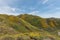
column 28, row 27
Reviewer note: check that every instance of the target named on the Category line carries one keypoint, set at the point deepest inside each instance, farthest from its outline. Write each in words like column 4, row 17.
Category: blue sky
column 43, row 8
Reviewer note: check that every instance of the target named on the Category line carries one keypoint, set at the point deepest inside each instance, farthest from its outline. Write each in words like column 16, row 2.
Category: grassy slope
column 29, row 23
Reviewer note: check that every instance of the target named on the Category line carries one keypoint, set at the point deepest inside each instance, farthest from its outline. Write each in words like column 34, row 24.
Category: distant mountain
column 26, row 23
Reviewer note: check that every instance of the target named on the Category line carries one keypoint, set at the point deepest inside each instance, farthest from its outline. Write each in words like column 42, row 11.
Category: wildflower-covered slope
column 30, row 25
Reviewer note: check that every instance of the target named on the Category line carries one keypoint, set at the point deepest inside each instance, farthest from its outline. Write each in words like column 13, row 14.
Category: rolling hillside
column 29, row 24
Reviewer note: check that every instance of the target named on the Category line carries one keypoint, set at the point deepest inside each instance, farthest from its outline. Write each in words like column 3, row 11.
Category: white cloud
column 5, row 8
column 46, row 15
column 34, row 12
column 8, row 10
column 44, row 1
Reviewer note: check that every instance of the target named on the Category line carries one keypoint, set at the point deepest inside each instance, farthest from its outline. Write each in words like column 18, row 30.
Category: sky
column 43, row 8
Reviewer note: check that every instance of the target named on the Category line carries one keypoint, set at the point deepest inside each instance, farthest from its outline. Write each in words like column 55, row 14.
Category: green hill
column 31, row 25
